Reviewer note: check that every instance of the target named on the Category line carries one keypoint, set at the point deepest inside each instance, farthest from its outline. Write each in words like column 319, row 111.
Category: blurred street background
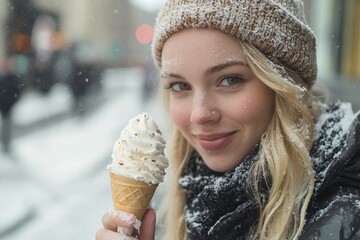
column 72, row 74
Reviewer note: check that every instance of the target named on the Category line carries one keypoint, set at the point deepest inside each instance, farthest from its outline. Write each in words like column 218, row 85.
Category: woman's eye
column 231, row 81
column 179, row 86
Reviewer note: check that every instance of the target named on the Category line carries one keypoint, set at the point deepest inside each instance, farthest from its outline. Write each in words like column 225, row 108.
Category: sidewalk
column 65, row 184
column 14, row 189
column 19, row 192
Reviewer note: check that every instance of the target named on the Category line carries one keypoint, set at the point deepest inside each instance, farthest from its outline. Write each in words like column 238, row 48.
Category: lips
column 216, row 141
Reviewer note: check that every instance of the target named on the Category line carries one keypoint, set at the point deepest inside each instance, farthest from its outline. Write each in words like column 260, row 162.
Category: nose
column 204, row 110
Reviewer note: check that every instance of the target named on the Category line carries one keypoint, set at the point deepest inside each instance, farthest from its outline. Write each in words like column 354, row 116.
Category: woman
column 254, row 154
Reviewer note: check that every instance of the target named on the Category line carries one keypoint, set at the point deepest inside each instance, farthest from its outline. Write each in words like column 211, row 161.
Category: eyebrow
column 169, row 75
column 225, row 65
column 209, row 70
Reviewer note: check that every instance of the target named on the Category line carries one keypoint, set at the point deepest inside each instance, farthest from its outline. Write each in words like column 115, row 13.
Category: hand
column 114, row 219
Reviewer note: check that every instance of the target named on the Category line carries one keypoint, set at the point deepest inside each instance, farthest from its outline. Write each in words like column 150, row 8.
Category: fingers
column 147, row 228
column 112, row 219
column 105, row 234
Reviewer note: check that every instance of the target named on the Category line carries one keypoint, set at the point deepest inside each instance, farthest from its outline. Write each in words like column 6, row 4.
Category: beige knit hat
column 276, row 27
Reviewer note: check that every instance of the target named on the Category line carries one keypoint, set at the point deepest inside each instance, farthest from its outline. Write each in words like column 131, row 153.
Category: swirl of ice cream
column 139, row 152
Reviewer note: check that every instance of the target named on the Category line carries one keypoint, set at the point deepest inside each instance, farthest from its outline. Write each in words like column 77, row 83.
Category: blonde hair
column 283, row 163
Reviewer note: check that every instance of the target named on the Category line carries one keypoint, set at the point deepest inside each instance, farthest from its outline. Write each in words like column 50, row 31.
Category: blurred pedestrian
column 149, row 85
column 254, row 155
column 42, row 70
column 11, row 86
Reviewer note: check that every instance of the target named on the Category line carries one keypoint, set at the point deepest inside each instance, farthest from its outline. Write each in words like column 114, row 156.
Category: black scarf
column 223, row 200
column 212, row 196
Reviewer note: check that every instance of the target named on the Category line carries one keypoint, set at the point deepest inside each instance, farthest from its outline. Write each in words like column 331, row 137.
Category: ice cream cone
column 130, row 195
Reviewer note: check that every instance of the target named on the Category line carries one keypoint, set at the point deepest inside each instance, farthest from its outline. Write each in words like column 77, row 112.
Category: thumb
column 147, row 229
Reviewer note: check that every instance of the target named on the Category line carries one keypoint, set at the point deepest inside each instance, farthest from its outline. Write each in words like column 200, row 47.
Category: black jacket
column 335, row 209
column 218, row 207
column 10, row 89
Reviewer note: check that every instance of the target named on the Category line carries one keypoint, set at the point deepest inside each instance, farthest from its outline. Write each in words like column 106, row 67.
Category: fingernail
column 125, row 217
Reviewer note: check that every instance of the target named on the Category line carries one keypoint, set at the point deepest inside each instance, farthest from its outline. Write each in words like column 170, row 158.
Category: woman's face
column 215, row 100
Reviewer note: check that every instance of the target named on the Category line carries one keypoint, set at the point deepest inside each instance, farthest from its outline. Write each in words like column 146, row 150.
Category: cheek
column 255, row 111
column 179, row 114
column 246, row 112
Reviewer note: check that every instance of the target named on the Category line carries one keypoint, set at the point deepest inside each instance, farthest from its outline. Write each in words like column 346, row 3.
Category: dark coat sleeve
column 349, row 174
column 338, row 220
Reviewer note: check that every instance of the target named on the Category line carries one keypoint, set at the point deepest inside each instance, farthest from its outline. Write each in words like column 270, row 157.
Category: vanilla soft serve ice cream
column 139, row 152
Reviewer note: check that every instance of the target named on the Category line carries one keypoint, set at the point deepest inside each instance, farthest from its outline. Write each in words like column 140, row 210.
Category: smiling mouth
column 215, row 141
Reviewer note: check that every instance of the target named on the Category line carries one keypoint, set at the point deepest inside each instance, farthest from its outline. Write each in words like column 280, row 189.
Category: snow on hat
column 276, row 27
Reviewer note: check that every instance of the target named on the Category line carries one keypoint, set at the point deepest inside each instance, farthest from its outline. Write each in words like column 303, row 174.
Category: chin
column 219, row 166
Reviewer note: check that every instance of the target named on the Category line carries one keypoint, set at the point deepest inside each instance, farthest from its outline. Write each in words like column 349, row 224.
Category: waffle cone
column 130, row 195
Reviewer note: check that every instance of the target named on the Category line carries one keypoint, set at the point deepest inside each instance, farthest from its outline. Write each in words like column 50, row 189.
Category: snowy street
column 55, row 185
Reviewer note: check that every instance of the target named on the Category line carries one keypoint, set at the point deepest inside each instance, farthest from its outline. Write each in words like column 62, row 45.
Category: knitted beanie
column 276, row 27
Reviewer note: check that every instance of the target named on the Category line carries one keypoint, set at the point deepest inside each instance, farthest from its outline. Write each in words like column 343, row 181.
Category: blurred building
column 104, row 29
column 337, row 26
column 99, row 31
column 2, row 32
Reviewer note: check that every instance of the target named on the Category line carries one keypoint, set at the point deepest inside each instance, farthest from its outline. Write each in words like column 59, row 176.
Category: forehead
column 201, row 45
